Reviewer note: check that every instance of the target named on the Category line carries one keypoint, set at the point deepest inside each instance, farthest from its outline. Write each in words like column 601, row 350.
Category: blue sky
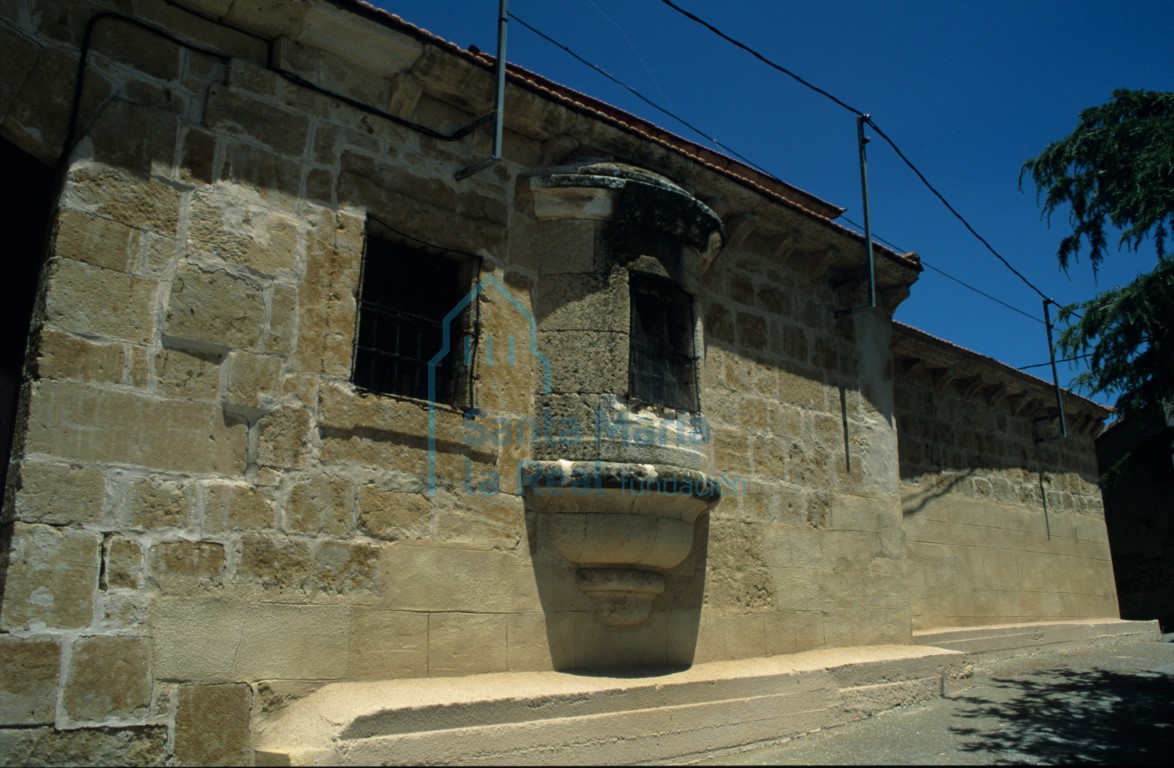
column 967, row 90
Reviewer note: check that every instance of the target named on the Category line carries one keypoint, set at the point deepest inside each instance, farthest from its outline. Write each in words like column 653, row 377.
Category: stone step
column 560, row 718
column 1027, row 636
column 545, row 718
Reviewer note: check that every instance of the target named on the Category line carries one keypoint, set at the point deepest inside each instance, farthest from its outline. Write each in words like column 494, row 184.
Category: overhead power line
column 780, row 68
column 745, row 159
column 637, row 94
column 760, row 57
column 947, row 275
column 954, row 211
column 1062, row 360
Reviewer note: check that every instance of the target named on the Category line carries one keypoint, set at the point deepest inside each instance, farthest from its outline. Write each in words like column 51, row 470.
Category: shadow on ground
column 1063, row 716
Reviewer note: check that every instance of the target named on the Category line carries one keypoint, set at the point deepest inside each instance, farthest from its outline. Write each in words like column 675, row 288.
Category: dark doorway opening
column 28, row 191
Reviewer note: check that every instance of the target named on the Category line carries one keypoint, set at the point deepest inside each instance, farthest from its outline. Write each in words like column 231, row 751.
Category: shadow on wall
column 579, row 643
column 915, row 502
column 1065, row 716
column 1135, row 455
column 27, row 194
column 950, row 444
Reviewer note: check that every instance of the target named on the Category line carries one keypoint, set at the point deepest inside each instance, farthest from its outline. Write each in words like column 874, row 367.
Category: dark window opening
column 661, row 363
column 405, row 296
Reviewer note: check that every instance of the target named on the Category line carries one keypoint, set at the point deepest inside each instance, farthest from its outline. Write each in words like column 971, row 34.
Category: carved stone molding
column 622, row 525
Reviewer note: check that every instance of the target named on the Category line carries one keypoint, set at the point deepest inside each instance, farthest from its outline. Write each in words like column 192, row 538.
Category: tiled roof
column 762, row 183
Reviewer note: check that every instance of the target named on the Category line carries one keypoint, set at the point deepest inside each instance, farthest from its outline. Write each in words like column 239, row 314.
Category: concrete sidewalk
column 708, row 712
column 1096, row 705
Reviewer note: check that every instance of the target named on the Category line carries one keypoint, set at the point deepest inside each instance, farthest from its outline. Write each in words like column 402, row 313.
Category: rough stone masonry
column 205, row 517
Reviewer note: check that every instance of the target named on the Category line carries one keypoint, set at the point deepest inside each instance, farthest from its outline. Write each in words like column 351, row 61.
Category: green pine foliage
column 1125, row 331
column 1116, row 171
column 1117, row 167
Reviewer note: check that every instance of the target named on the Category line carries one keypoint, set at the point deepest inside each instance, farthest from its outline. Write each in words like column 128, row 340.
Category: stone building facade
column 1003, row 518
column 300, row 406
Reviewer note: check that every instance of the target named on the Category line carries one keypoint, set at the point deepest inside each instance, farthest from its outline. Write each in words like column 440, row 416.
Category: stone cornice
column 973, row 376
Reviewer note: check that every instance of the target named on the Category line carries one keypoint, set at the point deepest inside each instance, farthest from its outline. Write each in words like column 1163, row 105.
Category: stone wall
column 203, row 514
column 1000, row 526
column 205, row 518
column 810, row 552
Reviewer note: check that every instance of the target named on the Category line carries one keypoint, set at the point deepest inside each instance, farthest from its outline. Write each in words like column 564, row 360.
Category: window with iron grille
column 661, row 363
column 405, row 295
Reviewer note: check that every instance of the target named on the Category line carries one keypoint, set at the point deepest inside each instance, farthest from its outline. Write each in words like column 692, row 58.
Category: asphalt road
column 1091, row 706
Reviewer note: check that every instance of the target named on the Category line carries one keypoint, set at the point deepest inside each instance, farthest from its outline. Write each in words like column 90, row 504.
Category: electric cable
column 639, row 95
column 1062, row 360
column 947, row 275
column 877, row 128
column 981, row 292
column 957, row 215
column 763, row 59
column 742, row 157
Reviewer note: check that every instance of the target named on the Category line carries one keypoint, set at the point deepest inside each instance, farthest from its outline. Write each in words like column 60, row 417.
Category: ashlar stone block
column 79, row 422
column 138, row 138
column 274, row 563
column 213, row 639
column 240, row 114
column 283, row 437
column 466, row 644
column 109, row 677
column 212, row 725
column 346, row 569
column 151, row 503
column 143, row 745
column 394, row 516
column 29, row 671
column 283, row 310
column 251, row 378
column 18, row 55
column 87, row 238
column 387, row 644
column 237, row 229
column 192, row 375
column 215, row 310
column 124, row 563
column 123, row 196
column 320, row 504
column 60, row 355
column 37, row 114
column 179, row 567
column 58, row 494
column 236, row 507
column 454, row 579
column 96, row 301
column 52, row 578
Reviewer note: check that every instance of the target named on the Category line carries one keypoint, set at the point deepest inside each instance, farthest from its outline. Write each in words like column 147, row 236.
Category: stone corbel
column 972, row 388
column 738, row 228
column 913, row 366
column 786, row 246
column 995, row 394
column 891, row 298
column 622, row 525
column 942, row 378
column 1020, row 402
